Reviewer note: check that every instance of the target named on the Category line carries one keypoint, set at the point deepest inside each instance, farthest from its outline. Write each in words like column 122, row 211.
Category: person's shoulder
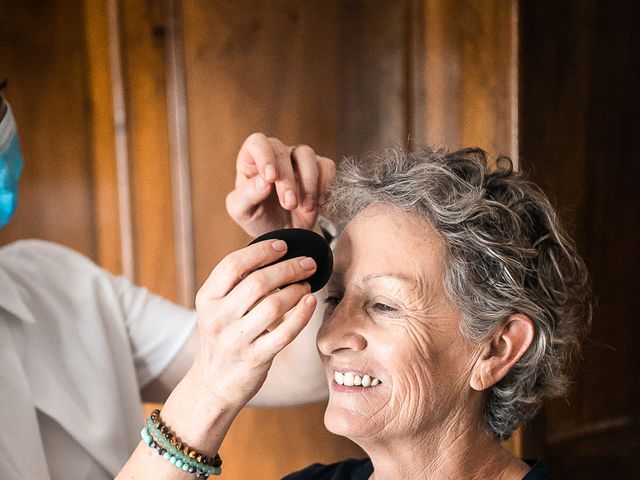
column 42, row 253
column 36, row 247
column 346, row 470
column 34, row 265
column 538, row 471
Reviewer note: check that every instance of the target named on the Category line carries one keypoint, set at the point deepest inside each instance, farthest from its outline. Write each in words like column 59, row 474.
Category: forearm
column 194, row 414
column 158, row 390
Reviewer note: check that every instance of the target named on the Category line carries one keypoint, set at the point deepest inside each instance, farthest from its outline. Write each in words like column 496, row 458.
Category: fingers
column 256, row 157
column 236, row 266
column 327, row 168
column 246, row 198
column 271, row 308
column 273, row 342
column 306, row 216
column 262, row 282
column 305, row 163
column 300, row 176
column 237, row 276
column 269, row 158
column 316, row 175
column 286, row 184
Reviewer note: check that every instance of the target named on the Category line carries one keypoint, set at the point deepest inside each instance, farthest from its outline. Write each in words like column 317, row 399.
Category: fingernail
column 279, row 245
column 307, row 263
column 289, row 199
column 260, row 183
column 308, row 202
column 270, row 173
column 310, row 299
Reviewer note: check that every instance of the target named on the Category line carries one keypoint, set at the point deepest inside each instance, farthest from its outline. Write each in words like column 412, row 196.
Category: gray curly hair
column 506, row 253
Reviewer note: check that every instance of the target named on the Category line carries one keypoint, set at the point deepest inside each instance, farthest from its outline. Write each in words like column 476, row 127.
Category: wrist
column 199, row 417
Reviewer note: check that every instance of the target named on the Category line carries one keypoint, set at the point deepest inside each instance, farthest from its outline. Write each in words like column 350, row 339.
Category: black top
column 361, row 469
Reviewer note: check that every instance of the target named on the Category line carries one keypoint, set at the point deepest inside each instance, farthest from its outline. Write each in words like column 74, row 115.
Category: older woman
column 456, row 304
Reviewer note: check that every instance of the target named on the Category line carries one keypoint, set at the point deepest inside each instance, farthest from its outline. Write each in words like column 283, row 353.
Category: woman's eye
column 383, row 307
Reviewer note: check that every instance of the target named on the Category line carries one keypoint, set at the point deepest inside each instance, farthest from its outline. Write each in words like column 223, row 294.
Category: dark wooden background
column 131, row 112
column 579, row 77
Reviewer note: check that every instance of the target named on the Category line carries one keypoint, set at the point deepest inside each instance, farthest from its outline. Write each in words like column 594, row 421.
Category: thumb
column 246, row 198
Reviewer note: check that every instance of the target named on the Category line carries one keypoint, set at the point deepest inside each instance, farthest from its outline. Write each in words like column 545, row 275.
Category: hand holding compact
column 301, row 242
column 245, row 293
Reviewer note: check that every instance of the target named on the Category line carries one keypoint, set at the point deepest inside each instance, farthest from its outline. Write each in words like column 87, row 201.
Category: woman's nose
column 342, row 330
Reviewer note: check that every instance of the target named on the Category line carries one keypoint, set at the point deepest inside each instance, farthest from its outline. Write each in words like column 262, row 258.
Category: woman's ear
column 508, row 345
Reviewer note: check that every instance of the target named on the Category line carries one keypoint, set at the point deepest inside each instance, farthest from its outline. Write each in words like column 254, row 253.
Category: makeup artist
column 80, row 348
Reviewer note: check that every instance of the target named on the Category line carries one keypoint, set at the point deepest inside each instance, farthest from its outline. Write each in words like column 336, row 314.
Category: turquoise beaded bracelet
column 155, row 421
column 158, row 436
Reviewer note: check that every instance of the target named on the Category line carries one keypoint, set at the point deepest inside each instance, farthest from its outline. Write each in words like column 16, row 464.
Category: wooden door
column 580, row 72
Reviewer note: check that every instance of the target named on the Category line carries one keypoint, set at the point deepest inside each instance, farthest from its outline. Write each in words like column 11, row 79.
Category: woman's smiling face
column 390, row 328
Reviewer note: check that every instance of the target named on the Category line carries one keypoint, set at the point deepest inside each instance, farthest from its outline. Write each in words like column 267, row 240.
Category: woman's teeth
column 351, row 379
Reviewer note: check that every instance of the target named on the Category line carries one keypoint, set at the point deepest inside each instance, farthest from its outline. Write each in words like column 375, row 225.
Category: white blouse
column 76, row 346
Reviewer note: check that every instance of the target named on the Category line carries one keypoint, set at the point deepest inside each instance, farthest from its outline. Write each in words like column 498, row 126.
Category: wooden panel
column 469, row 75
column 144, row 72
column 42, row 54
column 579, row 106
column 102, row 136
column 179, row 144
column 371, row 66
column 251, row 66
column 611, row 452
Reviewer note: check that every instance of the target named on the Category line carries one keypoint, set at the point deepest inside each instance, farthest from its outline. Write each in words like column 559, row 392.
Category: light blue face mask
column 10, row 166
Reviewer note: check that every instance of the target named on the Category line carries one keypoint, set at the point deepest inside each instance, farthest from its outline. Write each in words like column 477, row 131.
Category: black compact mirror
column 305, row 243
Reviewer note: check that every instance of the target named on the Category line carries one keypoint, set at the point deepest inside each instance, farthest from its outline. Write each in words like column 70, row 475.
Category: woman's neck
column 452, row 453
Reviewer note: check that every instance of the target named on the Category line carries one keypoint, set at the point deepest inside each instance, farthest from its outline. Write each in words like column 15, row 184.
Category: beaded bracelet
column 157, row 435
column 156, row 422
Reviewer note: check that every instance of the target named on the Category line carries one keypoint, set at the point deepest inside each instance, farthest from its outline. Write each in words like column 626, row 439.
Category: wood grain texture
column 371, row 65
column 579, row 107
column 251, row 66
column 144, row 73
column 347, row 77
column 179, row 144
column 469, row 72
column 303, row 71
column 610, row 452
column 101, row 139
column 42, row 53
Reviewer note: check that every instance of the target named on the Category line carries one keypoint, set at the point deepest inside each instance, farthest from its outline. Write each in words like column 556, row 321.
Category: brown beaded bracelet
column 216, row 461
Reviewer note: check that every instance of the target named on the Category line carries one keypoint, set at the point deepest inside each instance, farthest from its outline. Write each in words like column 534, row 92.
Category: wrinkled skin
column 388, row 316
